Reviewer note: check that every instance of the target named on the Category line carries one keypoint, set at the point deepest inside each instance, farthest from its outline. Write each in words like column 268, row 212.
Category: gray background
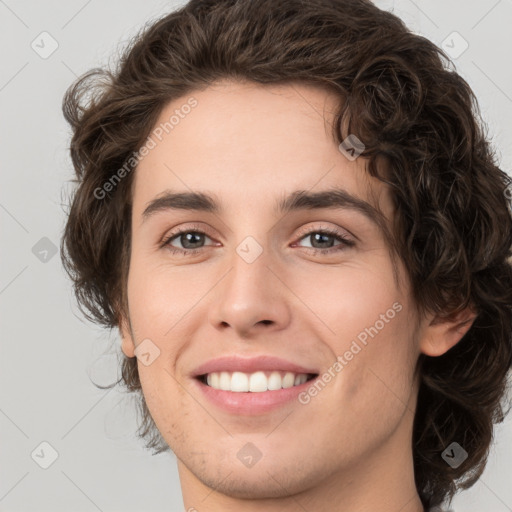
column 48, row 353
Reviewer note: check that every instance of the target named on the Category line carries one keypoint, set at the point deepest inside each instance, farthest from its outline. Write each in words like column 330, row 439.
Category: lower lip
column 252, row 403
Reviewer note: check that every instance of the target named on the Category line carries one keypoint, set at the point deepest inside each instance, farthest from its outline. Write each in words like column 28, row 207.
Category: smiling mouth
column 256, row 382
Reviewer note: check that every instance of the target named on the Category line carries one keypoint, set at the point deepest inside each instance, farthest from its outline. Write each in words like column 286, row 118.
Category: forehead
column 249, row 143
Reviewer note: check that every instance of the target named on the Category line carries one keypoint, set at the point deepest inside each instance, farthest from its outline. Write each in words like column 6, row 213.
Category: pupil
column 317, row 235
column 187, row 238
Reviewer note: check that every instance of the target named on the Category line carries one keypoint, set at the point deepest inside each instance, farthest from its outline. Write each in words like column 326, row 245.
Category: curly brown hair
column 419, row 120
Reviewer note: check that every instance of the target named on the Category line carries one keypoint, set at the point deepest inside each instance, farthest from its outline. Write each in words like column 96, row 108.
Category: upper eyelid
column 304, row 231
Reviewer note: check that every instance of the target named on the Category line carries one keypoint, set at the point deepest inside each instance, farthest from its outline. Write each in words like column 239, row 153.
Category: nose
column 252, row 297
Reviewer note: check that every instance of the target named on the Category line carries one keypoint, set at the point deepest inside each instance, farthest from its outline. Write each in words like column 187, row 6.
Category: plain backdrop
column 49, row 354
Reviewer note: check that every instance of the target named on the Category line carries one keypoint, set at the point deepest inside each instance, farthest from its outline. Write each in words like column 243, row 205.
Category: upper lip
column 235, row 363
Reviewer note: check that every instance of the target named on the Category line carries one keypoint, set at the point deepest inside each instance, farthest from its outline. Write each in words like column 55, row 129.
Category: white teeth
column 239, row 382
column 288, row 380
column 274, row 381
column 224, row 381
column 256, row 382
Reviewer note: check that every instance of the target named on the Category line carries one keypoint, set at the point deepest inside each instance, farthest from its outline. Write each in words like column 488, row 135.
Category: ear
column 127, row 343
column 444, row 332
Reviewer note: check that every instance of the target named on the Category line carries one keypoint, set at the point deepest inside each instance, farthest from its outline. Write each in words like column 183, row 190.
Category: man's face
column 262, row 282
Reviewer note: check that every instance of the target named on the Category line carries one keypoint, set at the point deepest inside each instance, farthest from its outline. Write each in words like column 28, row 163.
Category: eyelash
column 346, row 242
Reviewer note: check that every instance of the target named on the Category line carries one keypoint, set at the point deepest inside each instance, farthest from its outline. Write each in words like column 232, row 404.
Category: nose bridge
column 250, row 293
column 248, row 279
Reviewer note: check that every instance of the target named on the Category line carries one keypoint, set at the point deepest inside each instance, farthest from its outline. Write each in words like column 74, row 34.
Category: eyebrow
column 298, row 200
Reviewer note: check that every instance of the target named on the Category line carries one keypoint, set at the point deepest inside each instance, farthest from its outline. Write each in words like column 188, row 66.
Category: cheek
column 160, row 296
column 166, row 404
column 379, row 380
column 351, row 298
column 368, row 324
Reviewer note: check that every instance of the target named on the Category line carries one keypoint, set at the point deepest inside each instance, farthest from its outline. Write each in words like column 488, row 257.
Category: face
column 313, row 287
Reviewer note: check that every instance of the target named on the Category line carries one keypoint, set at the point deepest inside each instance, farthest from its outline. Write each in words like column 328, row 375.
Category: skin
column 250, row 145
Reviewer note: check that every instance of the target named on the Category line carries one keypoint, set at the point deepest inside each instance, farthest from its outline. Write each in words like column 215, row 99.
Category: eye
column 321, row 240
column 192, row 240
